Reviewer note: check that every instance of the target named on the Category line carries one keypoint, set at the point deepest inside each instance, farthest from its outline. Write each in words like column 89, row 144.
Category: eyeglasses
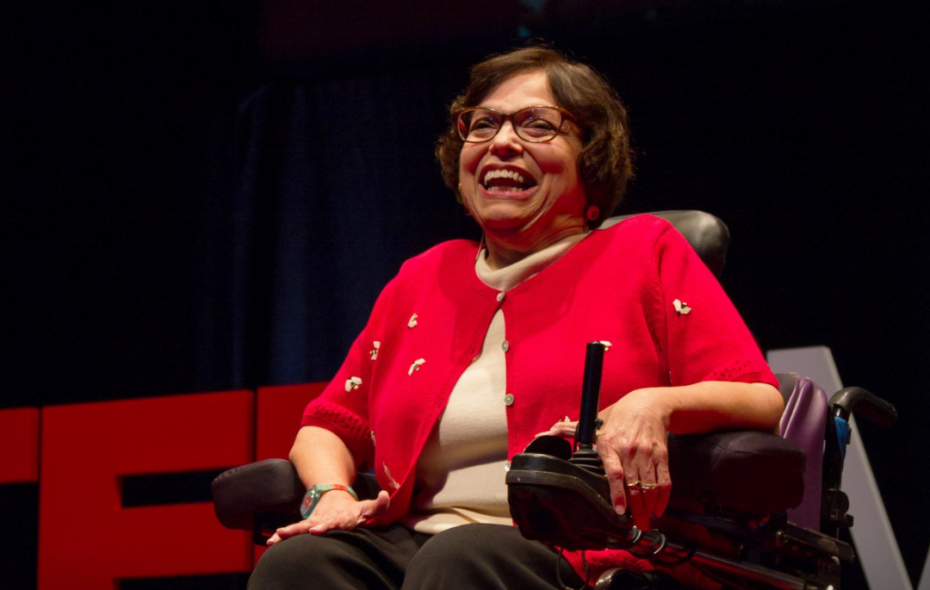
column 533, row 124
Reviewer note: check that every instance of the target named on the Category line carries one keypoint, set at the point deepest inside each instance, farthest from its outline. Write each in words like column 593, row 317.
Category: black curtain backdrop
column 178, row 216
column 337, row 186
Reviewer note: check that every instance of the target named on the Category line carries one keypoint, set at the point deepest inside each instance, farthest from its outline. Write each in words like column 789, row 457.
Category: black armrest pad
column 240, row 493
column 270, row 487
column 749, row 471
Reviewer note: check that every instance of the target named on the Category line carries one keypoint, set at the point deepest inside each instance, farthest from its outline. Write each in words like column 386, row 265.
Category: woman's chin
column 505, row 217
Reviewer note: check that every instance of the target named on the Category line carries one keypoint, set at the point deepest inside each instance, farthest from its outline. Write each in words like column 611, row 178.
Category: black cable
column 680, row 560
column 650, row 553
column 558, row 573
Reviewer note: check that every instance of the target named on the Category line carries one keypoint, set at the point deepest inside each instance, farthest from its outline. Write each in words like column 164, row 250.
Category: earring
column 593, row 212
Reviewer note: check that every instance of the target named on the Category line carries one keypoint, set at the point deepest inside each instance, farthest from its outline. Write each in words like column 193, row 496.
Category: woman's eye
column 538, row 128
column 483, row 124
column 539, row 124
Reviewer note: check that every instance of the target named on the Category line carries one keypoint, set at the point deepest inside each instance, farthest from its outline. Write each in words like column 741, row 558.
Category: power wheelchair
column 776, row 498
column 740, row 484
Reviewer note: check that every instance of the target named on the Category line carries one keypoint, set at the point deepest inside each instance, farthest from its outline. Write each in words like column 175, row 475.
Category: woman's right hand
column 336, row 510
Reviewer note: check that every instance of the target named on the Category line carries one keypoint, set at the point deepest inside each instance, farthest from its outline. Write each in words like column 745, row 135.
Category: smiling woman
column 473, row 350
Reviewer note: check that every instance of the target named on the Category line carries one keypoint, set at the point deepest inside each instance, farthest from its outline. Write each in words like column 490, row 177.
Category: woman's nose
column 506, row 142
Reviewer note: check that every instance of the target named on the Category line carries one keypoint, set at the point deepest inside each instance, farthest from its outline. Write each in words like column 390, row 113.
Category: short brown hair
column 605, row 164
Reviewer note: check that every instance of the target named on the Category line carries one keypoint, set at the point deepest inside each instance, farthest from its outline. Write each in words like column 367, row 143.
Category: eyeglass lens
column 531, row 124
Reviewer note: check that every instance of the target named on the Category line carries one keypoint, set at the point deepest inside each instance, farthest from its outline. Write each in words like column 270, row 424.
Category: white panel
column 876, row 546
column 925, row 576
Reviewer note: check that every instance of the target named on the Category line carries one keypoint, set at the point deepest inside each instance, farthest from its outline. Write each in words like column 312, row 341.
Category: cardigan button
column 505, row 345
column 508, row 399
column 500, row 296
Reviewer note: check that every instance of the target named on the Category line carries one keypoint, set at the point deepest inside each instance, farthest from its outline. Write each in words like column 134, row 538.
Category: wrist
column 315, row 493
column 660, row 402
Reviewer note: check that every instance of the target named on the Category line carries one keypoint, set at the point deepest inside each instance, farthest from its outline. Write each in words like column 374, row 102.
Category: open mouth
column 503, row 180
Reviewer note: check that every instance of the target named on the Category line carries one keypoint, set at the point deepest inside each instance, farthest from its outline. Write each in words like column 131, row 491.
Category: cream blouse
column 460, row 473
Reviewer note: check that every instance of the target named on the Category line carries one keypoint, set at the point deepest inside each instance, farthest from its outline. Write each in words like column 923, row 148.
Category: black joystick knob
column 588, row 422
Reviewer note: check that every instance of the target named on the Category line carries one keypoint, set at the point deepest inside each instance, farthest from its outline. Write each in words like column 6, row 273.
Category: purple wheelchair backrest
column 803, row 423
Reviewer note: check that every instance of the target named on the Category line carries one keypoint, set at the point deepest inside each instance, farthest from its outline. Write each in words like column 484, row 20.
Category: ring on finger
column 634, row 484
column 648, row 486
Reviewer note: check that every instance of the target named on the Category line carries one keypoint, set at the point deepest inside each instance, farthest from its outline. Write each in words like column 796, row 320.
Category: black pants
column 473, row 557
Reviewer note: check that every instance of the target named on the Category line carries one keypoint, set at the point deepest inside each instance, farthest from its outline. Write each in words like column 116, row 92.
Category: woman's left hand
column 632, row 446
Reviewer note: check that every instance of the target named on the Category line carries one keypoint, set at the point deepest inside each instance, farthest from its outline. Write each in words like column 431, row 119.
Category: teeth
column 503, row 174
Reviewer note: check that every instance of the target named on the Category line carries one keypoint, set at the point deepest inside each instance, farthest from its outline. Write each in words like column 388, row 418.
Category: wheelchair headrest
column 707, row 234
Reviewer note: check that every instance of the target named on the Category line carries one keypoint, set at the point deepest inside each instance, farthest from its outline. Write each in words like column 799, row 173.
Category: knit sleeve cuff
column 352, row 429
column 745, row 370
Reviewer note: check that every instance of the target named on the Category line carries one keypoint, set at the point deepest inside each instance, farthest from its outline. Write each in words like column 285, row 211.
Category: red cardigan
column 618, row 285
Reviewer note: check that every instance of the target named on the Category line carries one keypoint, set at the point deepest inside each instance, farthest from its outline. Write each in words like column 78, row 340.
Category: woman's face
column 545, row 198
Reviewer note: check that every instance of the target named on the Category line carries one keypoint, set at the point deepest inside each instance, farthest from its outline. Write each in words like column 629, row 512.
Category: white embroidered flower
column 353, row 383
column 374, row 351
column 415, row 366
column 387, row 473
column 413, row 321
column 681, row 307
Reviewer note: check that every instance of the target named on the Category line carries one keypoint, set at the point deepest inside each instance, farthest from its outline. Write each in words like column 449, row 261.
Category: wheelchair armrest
column 270, row 491
column 269, row 486
column 748, row 471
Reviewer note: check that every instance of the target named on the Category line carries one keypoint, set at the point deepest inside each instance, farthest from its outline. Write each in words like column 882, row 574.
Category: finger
column 381, row 503
column 636, row 498
column 613, row 468
column 647, row 501
column 274, row 539
column 655, row 481
column 665, row 487
column 644, row 462
column 650, row 491
column 374, row 508
column 289, row 530
column 564, row 429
